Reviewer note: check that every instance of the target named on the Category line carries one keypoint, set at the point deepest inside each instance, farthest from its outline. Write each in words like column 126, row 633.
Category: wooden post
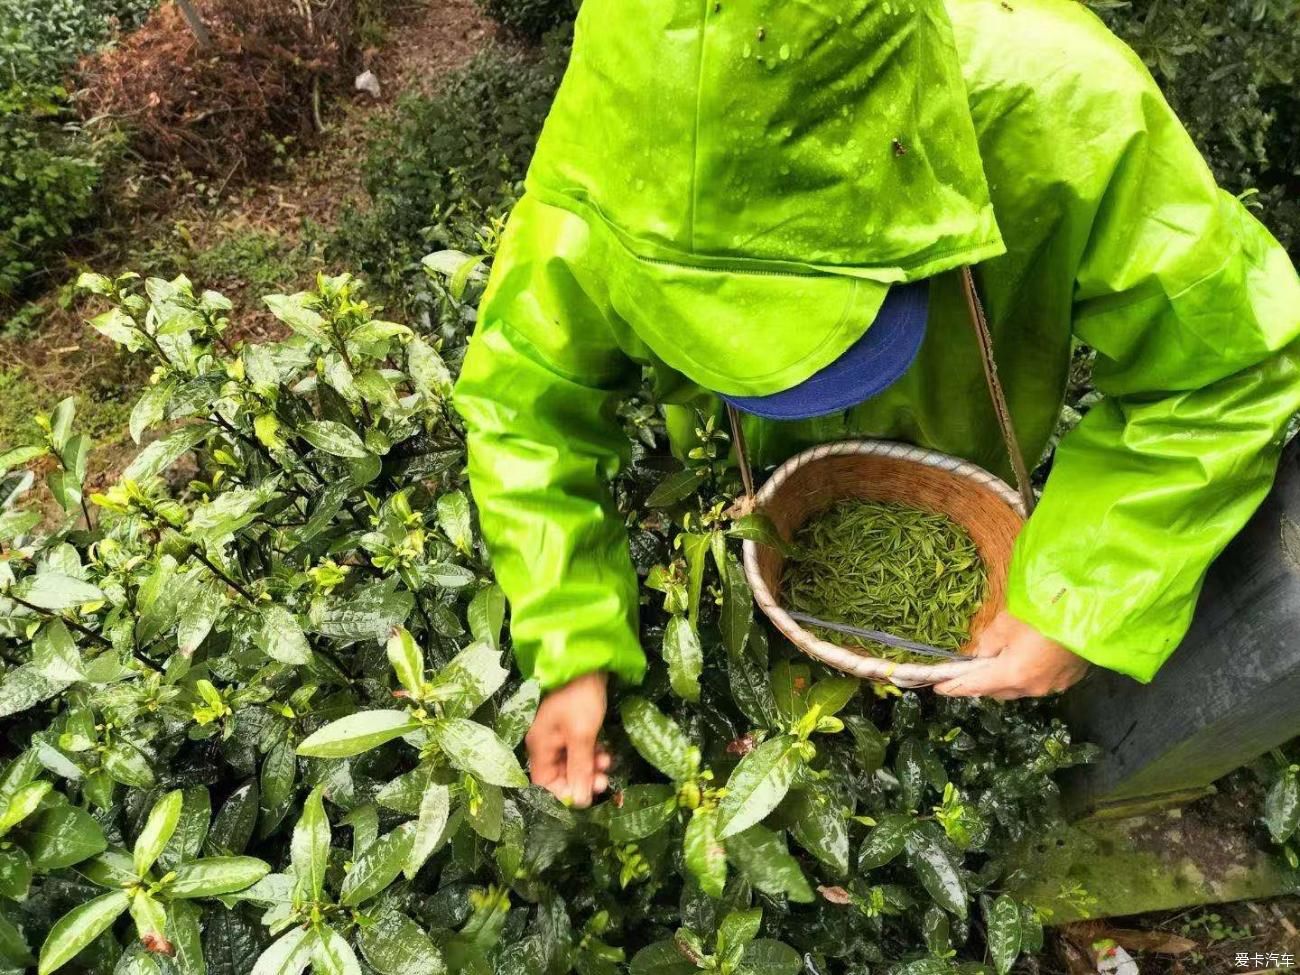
column 196, row 23
column 1227, row 695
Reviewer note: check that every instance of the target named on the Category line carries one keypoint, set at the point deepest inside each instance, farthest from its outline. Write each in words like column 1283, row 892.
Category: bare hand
column 1021, row 662
column 563, row 754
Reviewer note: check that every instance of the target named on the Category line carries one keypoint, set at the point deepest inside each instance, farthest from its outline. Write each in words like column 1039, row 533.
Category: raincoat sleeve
column 538, row 392
column 1194, row 310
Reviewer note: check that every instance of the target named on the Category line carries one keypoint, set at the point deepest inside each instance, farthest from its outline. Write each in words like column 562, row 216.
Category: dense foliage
column 529, row 18
column 48, row 175
column 48, row 169
column 255, row 704
column 1230, row 68
column 449, row 164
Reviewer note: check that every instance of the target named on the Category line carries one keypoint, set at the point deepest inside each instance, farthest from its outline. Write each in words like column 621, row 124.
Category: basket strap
column 980, row 325
column 985, row 340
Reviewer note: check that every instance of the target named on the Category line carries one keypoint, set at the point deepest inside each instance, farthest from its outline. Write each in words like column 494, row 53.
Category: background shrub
column 48, row 174
column 49, row 169
column 529, row 18
column 446, row 164
column 1229, row 67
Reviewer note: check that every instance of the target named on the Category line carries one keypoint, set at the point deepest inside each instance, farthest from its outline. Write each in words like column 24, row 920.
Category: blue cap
column 872, row 363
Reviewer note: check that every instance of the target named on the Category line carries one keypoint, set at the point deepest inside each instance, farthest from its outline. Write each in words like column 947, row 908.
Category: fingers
column 984, row 680
column 580, row 767
column 546, row 756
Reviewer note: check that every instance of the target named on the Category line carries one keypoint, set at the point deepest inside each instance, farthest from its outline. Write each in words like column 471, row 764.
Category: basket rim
column 856, row 662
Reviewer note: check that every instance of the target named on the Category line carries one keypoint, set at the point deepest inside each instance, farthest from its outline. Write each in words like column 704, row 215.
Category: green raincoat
column 724, row 192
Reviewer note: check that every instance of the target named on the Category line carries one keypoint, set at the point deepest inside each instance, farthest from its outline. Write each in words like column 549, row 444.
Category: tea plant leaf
column 293, row 311
column 229, row 941
column 282, row 638
column 233, row 828
column 79, row 927
column 738, row 929
column 817, row 824
column 1031, row 930
column 333, row 956
column 406, row 659
column 659, row 739
column 158, row 829
column 279, row 772
column 472, row 676
column 162, row 453
column 55, row 655
column 790, row 689
column 309, row 849
column 938, row 871
column 61, row 835
column 486, row 615
column 216, row 875
column 486, row 816
column 151, row 407
column 430, row 830
column 186, row 938
column 517, row 713
column 24, row 687
column 473, row 748
column 706, row 857
column 751, row 687
column 737, row 607
column 758, row 527
column 428, row 371
column 15, row 873
column 674, row 488
column 761, row 856
column 367, row 613
column 640, row 811
column 150, row 917
column 191, row 829
column 869, row 745
column 56, row 591
column 357, row 733
column 16, row 523
column 1002, row 925
column 832, row 694
column 771, row 958
column 454, row 520
column 378, row 866
column 395, row 945
column 759, row 783
column 685, row 658
column 936, row 929
column 333, row 438
column 288, row 956
column 887, row 840
column 661, row 958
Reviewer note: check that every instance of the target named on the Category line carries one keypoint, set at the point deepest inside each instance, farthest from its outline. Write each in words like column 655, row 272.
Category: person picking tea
column 771, row 203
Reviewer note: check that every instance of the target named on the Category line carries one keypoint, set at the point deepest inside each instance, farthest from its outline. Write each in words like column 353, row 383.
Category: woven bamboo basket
column 878, row 470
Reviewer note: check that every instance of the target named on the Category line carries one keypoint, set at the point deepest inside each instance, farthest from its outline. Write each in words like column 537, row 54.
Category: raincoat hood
column 727, row 147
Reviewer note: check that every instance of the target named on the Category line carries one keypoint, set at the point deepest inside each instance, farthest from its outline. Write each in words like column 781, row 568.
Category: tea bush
column 255, row 707
column 448, row 163
column 529, row 18
column 49, row 170
column 1229, row 68
column 48, row 176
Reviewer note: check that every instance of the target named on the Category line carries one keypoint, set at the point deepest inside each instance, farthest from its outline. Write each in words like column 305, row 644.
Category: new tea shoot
column 890, row 567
